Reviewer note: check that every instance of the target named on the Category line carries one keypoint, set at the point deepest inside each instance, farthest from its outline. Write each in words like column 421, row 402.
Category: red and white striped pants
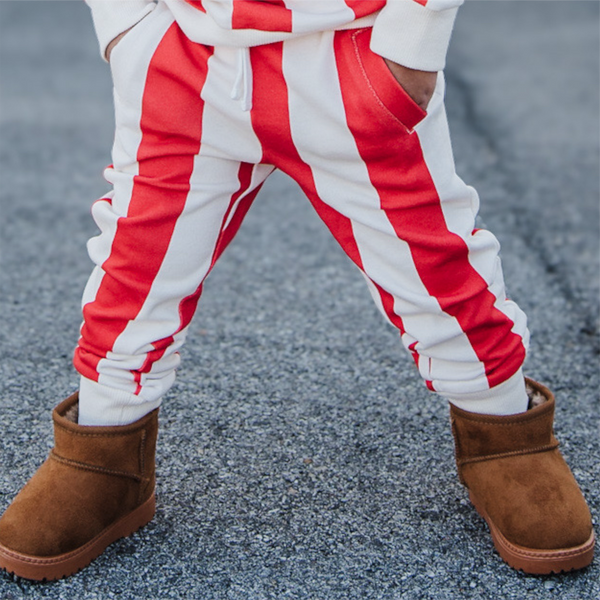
column 188, row 162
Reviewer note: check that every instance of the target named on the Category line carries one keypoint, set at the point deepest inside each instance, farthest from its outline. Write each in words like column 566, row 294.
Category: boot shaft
column 479, row 437
column 126, row 449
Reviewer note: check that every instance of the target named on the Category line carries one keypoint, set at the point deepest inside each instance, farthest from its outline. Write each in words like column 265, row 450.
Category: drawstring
column 242, row 87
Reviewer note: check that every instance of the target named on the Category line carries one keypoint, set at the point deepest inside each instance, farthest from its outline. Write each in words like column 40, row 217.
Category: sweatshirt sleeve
column 415, row 33
column 112, row 17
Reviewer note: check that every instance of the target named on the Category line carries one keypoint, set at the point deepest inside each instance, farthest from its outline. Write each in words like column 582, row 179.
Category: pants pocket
column 132, row 47
column 391, row 97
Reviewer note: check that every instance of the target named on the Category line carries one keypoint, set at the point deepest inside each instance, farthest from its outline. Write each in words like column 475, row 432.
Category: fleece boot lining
column 535, row 397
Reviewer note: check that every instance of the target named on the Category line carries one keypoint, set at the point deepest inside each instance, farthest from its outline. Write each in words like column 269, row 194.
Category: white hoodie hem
column 413, row 35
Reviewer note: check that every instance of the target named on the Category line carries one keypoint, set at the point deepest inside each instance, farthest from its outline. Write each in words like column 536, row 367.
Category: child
column 346, row 96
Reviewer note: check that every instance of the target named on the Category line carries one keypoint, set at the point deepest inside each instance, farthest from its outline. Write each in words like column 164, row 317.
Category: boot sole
column 534, row 561
column 56, row 567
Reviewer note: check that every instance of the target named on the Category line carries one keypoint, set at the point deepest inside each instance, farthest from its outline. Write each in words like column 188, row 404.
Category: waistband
column 200, row 27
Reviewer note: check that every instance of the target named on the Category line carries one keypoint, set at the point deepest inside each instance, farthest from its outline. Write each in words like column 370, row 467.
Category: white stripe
column 460, row 204
column 259, row 174
column 128, row 107
column 342, row 181
column 215, row 178
column 316, row 15
column 219, row 10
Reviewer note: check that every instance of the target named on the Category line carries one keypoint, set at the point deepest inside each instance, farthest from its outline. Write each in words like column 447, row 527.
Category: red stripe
column 271, row 123
column 187, row 307
column 412, row 205
column 363, row 8
column 228, row 233
column 270, row 113
column 387, row 301
column 383, row 84
column 171, row 129
column 267, row 15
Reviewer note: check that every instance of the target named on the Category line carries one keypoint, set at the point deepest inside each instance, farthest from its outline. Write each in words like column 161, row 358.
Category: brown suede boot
column 96, row 486
column 520, row 484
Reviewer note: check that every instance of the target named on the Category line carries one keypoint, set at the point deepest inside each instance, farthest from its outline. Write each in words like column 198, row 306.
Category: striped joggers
column 199, row 129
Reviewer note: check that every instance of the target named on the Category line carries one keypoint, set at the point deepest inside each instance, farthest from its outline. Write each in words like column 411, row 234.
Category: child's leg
column 184, row 174
column 391, row 197
column 186, row 168
column 381, row 176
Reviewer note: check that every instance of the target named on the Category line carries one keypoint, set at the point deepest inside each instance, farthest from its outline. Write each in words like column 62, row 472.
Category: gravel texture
column 300, row 456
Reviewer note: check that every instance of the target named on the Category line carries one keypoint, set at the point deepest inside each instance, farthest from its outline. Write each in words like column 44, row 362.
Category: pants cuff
column 508, row 398
column 101, row 405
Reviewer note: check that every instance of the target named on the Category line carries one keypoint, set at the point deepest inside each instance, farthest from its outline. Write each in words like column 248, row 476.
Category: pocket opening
column 388, row 91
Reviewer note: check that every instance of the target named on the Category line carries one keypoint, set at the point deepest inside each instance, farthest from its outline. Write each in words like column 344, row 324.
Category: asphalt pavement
column 300, row 457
